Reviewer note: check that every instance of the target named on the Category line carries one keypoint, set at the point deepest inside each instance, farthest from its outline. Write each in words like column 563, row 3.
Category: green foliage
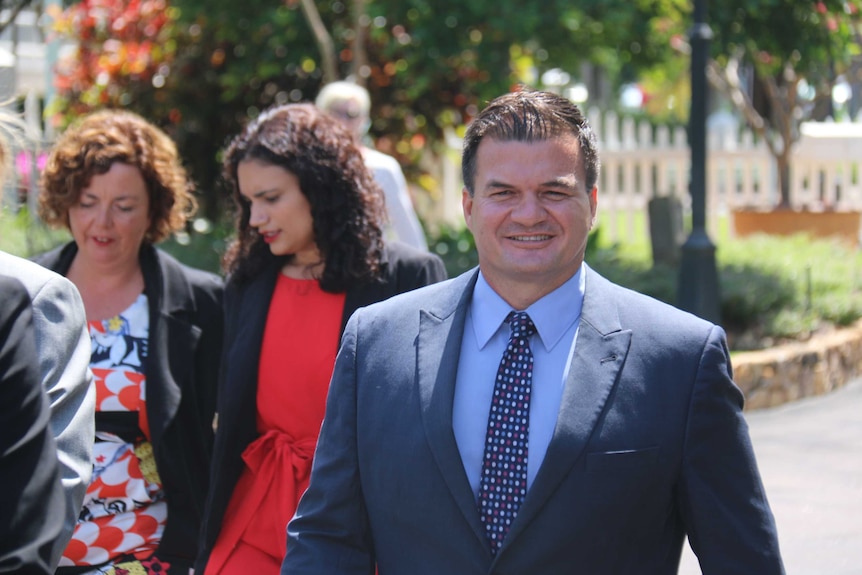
column 23, row 236
column 202, row 246
column 814, row 283
column 747, row 292
column 430, row 65
column 631, row 266
column 456, row 248
column 815, row 38
column 797, row 50
column 772, row 288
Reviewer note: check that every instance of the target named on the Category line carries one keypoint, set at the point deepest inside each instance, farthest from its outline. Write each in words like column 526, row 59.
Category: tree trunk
column 782, row 92
column 780, row 130
column 360, row 33
column 782, row 163
column 324, row 41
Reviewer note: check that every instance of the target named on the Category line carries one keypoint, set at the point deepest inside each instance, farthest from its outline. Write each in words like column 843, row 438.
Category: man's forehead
column 565, row 143
column 560, row 155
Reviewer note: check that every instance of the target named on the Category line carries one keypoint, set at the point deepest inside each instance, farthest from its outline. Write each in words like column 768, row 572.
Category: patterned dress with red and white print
column 124, row 511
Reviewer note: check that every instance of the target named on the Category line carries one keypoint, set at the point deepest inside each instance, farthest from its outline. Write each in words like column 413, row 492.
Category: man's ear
column 467, row 207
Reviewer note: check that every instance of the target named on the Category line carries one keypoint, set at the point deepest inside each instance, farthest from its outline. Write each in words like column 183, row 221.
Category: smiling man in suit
column 530, row 416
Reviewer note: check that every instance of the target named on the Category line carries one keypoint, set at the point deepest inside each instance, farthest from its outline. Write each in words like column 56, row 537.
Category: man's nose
column 529, row 209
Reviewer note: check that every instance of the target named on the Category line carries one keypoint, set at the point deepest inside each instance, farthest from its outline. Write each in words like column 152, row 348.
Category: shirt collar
column 552, row 315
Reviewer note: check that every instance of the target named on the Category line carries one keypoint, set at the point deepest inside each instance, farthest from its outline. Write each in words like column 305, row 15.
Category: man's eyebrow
column 568, row 182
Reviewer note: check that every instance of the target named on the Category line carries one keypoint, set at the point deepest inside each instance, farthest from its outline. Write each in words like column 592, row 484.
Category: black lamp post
column 698, row 276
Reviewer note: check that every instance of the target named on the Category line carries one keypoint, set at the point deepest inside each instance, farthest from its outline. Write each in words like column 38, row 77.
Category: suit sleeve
column 63, row 347
column 728, row 520
column 330, row 533
column 31, row 500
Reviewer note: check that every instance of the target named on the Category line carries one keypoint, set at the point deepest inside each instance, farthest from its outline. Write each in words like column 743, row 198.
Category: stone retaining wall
column 778, row 375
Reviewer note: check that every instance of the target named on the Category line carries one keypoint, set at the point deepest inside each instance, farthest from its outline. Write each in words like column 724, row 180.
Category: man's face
column 530, row 215
column 349, row 113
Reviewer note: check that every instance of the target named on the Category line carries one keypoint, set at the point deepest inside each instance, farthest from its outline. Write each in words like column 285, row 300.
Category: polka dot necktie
column 503, row 484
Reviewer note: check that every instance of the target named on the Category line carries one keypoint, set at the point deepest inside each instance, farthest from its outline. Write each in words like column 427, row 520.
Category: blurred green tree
column 778, row 61
column 200, row 68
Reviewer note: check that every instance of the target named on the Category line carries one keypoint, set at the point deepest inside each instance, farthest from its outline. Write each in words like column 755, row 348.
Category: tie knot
column 521, row 324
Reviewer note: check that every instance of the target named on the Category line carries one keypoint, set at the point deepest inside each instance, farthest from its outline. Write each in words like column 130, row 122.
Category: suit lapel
column 441, row 328
column 600, row 352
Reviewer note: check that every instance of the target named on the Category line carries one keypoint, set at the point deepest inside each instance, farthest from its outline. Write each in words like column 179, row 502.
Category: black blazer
column 185, row 338
column 405, row 269
column 32, row 507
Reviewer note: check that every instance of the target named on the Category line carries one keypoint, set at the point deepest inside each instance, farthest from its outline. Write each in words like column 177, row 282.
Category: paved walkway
column 810, row 457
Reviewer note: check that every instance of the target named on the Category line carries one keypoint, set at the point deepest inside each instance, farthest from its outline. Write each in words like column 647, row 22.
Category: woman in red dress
column 308, row 252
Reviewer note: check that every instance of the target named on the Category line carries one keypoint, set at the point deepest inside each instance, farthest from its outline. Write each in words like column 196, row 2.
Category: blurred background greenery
column 773, row 289
column 201, row 68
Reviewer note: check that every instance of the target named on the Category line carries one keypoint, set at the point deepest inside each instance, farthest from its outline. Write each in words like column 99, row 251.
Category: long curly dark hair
column 346, row 203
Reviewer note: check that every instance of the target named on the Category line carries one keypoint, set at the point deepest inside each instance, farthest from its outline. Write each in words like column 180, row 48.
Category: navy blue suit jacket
column 650, row 445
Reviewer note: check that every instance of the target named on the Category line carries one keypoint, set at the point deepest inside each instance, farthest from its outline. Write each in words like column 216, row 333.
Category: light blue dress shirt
column 486, row 334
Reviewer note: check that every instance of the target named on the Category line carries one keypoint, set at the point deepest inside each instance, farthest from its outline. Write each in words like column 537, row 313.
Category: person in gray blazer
column 530, row 416
column 63, row 348
column 31, row 498
column 63, row 352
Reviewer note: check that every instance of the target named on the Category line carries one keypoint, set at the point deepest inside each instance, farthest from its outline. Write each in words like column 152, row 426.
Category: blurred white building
column 23, row 52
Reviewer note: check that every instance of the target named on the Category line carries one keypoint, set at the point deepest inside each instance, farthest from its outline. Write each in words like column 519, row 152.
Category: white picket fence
column 640, row 162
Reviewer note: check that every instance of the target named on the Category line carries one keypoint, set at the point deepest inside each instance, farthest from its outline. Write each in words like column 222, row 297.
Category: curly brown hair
column 91, row 145
column 346, row 203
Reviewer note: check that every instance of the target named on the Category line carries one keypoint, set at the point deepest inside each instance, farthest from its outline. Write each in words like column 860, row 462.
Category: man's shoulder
column 375, row 159
column 13, row 290
column 636, row 307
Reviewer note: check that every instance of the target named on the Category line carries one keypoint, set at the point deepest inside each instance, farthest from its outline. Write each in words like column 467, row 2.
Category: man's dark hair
column 530, row 116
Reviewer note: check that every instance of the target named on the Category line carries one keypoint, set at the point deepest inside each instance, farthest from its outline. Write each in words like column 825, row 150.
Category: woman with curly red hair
column 308, row 252
column 116, row 183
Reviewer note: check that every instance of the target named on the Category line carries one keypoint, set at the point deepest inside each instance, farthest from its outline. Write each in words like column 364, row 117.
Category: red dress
column 296, row 361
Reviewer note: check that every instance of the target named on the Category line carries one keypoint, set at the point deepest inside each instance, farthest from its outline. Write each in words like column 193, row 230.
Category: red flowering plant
column 120, row 47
